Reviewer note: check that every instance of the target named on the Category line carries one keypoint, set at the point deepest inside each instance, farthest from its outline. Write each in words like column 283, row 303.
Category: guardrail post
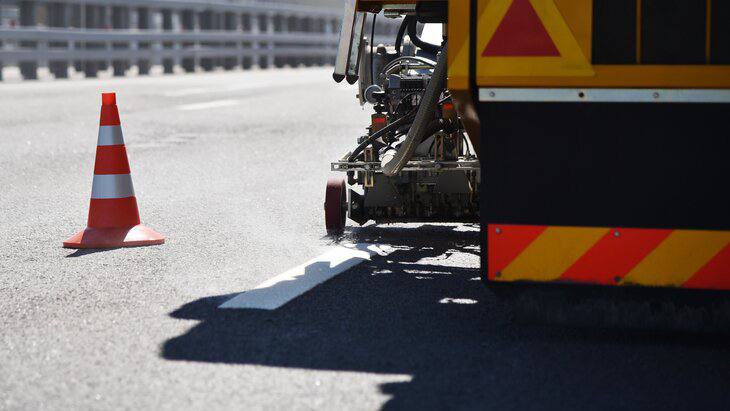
column 168, row 63
column 335, row 29
column 205, row 18
column 120, row 20
column 217, row 25
column 57, row 16
column 143, row 23
column 320, row 25
column 1, row 45
column 307, row 58
column 247, row 22
column 105, row 23
column 279, row 27
column 270, row 44
column 188, row 23
column 290, row 24
column 258, row 26
column 91, row 20
column 231, row 23
column 76, row 21
column 28, row 69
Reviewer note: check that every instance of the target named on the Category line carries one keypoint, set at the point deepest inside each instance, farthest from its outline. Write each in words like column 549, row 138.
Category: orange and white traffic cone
column 113, row 214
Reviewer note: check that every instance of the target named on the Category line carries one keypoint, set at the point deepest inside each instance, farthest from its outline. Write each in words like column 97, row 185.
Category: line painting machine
column 588, row 137
column 415, row 163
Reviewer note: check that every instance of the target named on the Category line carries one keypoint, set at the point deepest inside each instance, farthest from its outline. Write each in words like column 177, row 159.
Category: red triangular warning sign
column 521, row 34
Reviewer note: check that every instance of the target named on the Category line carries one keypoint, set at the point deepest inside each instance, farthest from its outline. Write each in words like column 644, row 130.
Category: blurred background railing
column 133, row 36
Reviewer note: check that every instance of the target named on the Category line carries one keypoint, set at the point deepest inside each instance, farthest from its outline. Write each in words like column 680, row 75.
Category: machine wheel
column 335, row 205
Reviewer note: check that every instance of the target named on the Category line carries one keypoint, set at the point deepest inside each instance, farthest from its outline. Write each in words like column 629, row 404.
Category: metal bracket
column 369, row 176
column 463, row 164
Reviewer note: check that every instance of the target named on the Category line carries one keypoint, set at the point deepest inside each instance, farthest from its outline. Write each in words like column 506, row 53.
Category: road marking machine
column 588, row 137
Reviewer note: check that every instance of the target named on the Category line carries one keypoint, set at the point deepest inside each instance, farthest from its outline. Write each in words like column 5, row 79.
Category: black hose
column 413, row 35
column 424, row 113
column 401, row 33
column 372, row 59
column 434, row 127
column 380, row 133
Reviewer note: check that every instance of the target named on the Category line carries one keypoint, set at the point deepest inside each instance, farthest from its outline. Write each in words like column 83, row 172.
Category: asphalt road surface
column 231, row 167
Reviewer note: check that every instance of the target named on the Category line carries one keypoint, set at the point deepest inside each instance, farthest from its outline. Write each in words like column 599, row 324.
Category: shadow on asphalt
column 408, row 314
column 86, row 251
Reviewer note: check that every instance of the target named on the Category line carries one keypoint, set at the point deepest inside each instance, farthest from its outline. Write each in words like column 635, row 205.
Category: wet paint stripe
column 279, row 290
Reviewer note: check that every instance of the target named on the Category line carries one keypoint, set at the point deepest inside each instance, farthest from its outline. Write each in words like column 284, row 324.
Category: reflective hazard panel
column 592, row 43
column 528, row 38
column 610, row 256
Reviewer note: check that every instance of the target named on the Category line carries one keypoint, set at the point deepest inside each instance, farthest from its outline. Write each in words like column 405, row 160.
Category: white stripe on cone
column 112, row 186
column 110, row 136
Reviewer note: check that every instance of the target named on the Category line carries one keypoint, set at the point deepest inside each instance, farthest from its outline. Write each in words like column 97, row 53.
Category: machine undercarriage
column 416, row 162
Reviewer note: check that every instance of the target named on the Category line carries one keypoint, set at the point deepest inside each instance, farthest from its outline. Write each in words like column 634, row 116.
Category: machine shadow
column 409, row 313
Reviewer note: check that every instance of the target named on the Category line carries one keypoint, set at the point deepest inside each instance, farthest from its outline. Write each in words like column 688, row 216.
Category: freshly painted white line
column 207, row 105
column 274, row 293
column 467, row 301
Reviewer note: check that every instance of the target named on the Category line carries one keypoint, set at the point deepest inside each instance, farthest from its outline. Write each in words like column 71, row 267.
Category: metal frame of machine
column 415, row 163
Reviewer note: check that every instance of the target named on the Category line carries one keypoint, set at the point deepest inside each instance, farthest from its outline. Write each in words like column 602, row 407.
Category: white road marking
column 467, row 301
column 274, row 293
column 257, row 85
column 207, row 105
column 187, row 92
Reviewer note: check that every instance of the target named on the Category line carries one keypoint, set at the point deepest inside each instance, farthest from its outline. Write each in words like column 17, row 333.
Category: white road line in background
column 187, row 92
column 211, row 90
column 258, row 85
column 274, row 293
column 207, row 105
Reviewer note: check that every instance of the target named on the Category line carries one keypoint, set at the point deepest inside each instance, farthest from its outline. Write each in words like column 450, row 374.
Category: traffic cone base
column 135, row 236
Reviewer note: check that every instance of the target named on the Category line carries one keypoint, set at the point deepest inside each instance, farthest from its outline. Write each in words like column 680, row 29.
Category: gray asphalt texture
column 238, row 191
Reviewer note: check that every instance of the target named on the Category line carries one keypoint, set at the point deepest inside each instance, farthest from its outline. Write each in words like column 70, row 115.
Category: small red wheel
column 335, row 205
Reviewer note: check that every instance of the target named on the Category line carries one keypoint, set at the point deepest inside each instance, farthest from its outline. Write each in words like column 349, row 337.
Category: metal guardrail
column 91, row 35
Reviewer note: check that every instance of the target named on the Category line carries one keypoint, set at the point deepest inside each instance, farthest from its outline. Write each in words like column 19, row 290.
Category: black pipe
column 401, row 33
column 372, row 42
column 380, row 133
column 413, row 35
column 424, row 113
